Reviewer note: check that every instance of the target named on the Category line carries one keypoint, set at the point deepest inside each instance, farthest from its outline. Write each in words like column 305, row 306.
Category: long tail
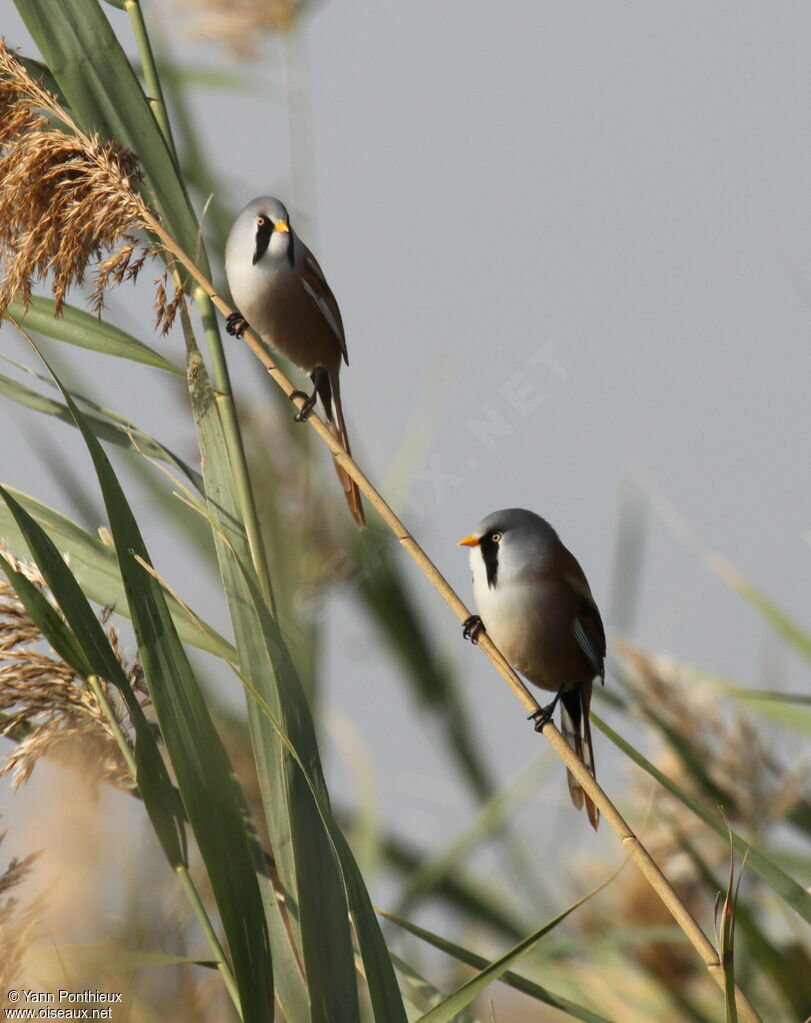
column 338, row 425
column 576, row 730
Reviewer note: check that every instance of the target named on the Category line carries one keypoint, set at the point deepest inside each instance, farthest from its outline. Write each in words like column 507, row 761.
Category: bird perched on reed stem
column 535, row 604
column 280, row 290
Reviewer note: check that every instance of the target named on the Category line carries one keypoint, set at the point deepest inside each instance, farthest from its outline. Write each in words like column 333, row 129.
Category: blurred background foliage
column 115, row 912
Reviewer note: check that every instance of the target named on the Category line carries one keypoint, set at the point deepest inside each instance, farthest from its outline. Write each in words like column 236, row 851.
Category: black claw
column 472, row 628
column 236, row 324
column 307, row 407
column 544, row 715
column 318, row 377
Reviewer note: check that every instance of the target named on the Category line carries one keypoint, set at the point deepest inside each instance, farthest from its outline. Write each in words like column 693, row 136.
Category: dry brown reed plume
column 51, row 710
column 240, row 25
column 17, row 925
column 739, row 772
column 67, row 200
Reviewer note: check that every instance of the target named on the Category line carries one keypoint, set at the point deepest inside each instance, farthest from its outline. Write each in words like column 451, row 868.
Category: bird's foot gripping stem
column 317, row 376
column 472, row 628
column 544, row 715
column 307, row 407
column 236, row 324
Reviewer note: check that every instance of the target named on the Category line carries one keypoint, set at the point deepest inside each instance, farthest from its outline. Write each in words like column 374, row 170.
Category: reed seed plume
column 46, row 705
column 720, row 759
column 241, row 25
column 732, row 763
column 68, row 200
column 16, row 925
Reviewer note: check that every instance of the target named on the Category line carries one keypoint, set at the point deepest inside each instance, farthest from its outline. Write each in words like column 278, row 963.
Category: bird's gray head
column 263, row 229
column 509, row 543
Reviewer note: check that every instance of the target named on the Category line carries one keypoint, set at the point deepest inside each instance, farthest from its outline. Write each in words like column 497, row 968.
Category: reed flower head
column 45, row 706
column 719, row 758
column 241, row 24
column 16, row 925
column 67, row 199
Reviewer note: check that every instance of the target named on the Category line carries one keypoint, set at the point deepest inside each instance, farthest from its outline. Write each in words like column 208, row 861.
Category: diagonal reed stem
column 636, row 850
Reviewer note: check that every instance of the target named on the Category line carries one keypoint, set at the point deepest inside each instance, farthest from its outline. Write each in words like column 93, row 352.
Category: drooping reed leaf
column 489, row 819
column 92, row 959
column 471, row 896
column 506, row 976
column 785, row 709
column 319, row 871
column 95, row 567
column 786, row 887
column 783, row 624
column 77, row 327
column 617, row 938
column 96, row 654
column 204, row 773
column 105, row 427
column 50, row 624
column 318, row 912
column 425, row 991
column 377, row 965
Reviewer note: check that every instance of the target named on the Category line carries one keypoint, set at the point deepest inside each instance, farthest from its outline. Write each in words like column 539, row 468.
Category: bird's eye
column 261, row 221
column 496, row 537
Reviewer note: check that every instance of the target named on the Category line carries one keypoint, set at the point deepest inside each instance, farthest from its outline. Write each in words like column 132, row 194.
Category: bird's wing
column 588, row 625
column 587, row 631
column 315, row 284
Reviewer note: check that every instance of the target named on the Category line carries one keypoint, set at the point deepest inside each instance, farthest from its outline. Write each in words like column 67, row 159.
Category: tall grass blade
column 320, row 853
column 793, row 986
column 95, row 568
column 316, row 904
column 785, row 709
column 783, row 624
column 513, row 980
column 488, row 821
column 77, row 327
column 201, row 765
column 68, row 960
column 87, row 649
column 478, row 901
column 422, row 989
column 104, row 426
column 726, row 939
column 629, row 556
column 48, row 621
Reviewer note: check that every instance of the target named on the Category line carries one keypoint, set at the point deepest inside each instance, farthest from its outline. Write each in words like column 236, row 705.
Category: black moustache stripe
column 489, row 549
column 263, row 234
